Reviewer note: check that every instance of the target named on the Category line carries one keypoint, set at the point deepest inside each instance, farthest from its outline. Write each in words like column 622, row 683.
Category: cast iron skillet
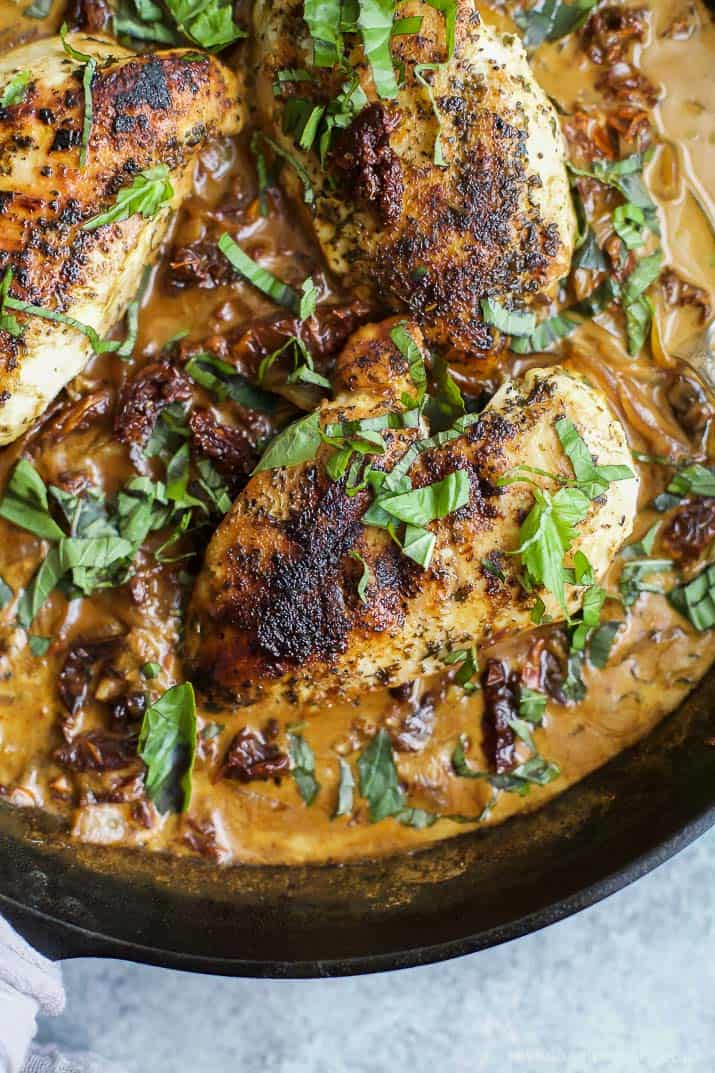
column 463, row 895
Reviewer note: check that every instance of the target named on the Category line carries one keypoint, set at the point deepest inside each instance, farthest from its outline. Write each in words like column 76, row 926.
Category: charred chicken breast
column 65, row 162
column 303, row 595
column 449, row 191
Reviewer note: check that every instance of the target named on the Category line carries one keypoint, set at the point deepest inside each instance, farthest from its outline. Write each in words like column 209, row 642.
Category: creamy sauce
column 657, row 657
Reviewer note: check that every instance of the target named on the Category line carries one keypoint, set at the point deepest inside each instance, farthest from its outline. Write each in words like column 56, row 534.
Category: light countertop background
column 625, row 987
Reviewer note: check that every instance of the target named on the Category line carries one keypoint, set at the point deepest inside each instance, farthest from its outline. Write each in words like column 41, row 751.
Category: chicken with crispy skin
column 495, row 222
column 276, row 611
column 147, row 110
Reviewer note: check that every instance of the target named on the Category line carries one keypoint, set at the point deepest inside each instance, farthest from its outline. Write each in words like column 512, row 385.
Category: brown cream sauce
column 657, row 657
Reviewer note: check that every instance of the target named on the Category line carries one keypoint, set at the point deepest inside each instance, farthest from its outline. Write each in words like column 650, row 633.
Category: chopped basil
column 438, row 157
column 535, row 771
column 420, row 506
column 547, row 534
column 592, row 603
column 414, row 357
column 9, row 324
column 375, row 18
column 588, row 254
column 636, row 306
column 126, row 350
column 419, row 544
column 25, row 502
column 16, row 89
column 88, row 72
column 148, row 192
column 303, row 767
column 346, row 788
column 365, row 577
column 208, row 23
column 308, row 191
column 574, row 687
column 629, row 225
column 446, row 405
column 601, row 643
column 468, row 658
column 323, row 18
column 593, row 480
column 643, row 547
column 379, row 783
column 693, row 480
column 631, row 583
column 696, row 599
column 222, row 379
column 545, row 334
column 449, row 10
column 418, row 818
column 508, row 321
column 532, row 705
column 38, row 645
column 39, row 9
column 167, row 745
column 297, row 443
column 261, row 278
column 144, row 20
column 598, row 300
column 551, row 19
column 410, row 25
column 6, row 593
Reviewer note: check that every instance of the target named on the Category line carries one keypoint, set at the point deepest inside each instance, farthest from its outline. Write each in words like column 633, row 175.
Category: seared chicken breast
column 452, row 192
column 147, row 110
column 278, row 609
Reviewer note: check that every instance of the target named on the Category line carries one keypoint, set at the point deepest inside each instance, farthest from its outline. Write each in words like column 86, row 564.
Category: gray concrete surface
column 625, row 987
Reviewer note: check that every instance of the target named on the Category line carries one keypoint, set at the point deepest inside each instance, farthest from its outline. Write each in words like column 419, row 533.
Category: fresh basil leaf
column 536, row 771
column 39, row 9
column 508, row 321
column 346, row 788
column 418, row 818
column 532, row 705
column 208, row 23
column 308, row 299
column 449, row 10
column 588, row 255
column 545, row 335
column 150, row 670
column 142, row 507
column 639, row 314
column 695, row 600
column 574, row 687
column 601, row 642
column 643, row 275
column 438, row 157
column 297, row 443
column 375, row 18
column 126, row 350
column 695, row 480
column 365, row 577
column 88, row 72
column 261, row 278
column 6, row 593
column 38, row 645
column 631, row 583
column 293, row 162
column 414, row 357
column 148, row 192
column 9, row 324
column 418, row 544
column 641, row 548
column 629, row 225
column 16, row 89
column 360, row 428
column 222, row 379
column 379, row 783
column 592, row 479
column 551, row 20
column 213, row 484
column 25, row 502
column 167, row 745
column 407, row 26
column 420, row 506
column 547, row 534
column 469, row 667
column 592, row 603
column 86, row 515
column 303, row 768
column 323, row 19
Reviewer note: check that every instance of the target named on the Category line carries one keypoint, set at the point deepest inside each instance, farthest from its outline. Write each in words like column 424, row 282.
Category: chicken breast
column 147, row 110
column 496, row 221
column 278, row 610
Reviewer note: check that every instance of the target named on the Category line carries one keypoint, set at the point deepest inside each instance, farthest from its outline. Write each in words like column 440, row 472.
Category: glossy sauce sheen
column 657, row 657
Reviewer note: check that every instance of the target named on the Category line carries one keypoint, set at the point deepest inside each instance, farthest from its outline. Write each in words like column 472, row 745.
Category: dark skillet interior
column 462, row 895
